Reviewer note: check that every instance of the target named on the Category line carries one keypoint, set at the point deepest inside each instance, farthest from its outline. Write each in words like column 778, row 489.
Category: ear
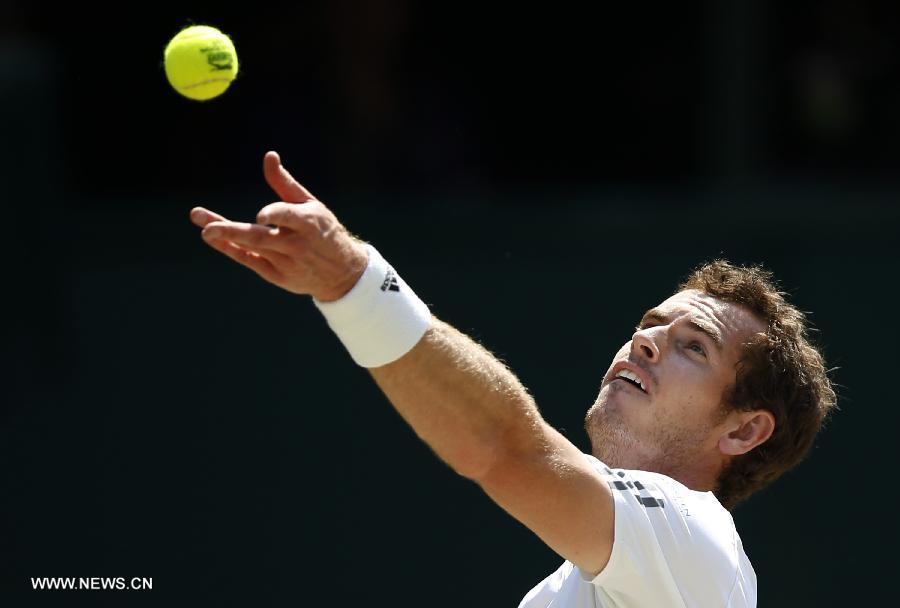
column 749, row 429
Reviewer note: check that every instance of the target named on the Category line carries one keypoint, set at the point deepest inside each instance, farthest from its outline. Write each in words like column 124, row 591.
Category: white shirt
column 673, row 547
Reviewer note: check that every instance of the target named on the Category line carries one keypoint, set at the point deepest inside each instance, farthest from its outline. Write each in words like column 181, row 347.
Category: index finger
column 201, row 217
column 251, row 236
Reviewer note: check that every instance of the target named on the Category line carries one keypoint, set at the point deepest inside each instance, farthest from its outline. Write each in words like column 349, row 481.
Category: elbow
column 475, row 461
column 496, row 452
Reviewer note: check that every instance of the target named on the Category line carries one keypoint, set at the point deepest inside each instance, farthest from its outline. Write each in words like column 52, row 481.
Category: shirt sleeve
column 672, row 547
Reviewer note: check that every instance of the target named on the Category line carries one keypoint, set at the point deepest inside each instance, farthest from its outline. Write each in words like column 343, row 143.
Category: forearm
column 463, row 402
column 457, row 397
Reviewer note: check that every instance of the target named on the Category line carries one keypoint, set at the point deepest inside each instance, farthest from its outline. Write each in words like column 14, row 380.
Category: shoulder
column 649, row 490
column 684, row 539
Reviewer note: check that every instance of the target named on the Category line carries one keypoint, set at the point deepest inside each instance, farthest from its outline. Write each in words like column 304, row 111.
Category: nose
column 645, row 343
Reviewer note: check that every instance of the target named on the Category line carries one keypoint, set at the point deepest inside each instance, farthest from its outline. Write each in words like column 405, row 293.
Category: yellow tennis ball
column 200, row 62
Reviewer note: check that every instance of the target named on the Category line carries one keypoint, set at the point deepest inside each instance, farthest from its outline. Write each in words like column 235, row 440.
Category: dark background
column 540, row 175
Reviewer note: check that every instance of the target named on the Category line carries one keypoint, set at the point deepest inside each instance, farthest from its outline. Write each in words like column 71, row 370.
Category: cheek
column 690, row 388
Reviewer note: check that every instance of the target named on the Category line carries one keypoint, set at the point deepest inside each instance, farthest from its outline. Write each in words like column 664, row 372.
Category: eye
column 697, row 348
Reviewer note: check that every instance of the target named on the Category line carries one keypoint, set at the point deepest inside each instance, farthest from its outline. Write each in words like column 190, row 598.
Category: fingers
column 285, row 186
column 302, row 219
column 252, row 260
column 278, row 245
column 201, row 217
column 249, row 236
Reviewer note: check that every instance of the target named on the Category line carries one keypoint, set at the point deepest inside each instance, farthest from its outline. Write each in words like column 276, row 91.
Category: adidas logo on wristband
column 376, row 330
column 390, row 281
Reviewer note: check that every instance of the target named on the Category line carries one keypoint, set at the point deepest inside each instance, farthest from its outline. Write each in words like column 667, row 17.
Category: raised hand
column 297, row 243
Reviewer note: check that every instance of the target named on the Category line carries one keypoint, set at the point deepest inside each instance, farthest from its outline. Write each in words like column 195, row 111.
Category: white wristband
column 380, row 319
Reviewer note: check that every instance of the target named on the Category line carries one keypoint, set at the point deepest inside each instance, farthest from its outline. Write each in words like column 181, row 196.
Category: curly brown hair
column 780, row 371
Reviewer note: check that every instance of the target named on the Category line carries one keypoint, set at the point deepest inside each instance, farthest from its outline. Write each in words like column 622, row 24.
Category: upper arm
column 551, row 487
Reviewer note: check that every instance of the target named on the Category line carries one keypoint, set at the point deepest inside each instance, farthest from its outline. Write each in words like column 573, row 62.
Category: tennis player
column 717, row 393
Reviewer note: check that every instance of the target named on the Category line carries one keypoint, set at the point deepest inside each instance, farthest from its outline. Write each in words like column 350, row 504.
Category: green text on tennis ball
column 200, row 62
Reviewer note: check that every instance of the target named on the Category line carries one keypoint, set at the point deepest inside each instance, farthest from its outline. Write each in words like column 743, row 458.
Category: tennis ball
column 200, row 62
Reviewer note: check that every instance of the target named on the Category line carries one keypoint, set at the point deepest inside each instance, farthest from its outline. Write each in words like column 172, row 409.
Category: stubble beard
column 663, row 448
column 611, row 441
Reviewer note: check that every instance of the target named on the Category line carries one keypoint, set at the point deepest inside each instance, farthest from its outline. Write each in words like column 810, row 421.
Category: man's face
column 684, row 354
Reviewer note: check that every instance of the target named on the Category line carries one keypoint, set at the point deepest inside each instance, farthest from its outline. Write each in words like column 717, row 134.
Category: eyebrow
column 700, row 325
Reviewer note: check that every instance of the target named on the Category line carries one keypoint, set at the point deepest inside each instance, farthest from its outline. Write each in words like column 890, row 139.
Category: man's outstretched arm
column 465, row 404
column 478, row 418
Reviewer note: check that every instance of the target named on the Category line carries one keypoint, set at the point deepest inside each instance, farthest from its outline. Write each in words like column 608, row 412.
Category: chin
column 612, row 441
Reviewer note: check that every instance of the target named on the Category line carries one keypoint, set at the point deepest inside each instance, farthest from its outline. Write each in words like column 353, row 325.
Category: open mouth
column 631, row 378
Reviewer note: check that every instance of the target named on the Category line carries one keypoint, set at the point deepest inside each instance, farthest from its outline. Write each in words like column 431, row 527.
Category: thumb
column 285, row 186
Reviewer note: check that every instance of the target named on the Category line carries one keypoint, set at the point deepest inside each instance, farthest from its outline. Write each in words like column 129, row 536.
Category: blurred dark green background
column 540, row 176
